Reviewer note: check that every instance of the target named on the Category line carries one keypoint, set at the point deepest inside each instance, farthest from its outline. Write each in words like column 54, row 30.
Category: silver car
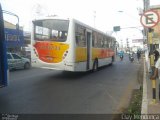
column 17, row 62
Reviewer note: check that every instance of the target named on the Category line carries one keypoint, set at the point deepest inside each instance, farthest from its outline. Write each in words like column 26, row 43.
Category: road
column 106, row 91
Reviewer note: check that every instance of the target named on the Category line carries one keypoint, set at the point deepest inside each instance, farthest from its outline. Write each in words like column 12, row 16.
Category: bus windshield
column 51, row 30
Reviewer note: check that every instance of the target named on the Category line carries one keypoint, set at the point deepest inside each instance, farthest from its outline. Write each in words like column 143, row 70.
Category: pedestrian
column 156, row 73
column 156, row 55
column 138, row 54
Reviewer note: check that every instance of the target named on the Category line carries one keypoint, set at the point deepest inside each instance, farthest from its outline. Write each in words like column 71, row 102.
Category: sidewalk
column 153, row 108
column 148, row 107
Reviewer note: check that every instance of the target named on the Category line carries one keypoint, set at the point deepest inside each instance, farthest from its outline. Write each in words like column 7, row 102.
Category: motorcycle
column 121, row 57
column 131, row 58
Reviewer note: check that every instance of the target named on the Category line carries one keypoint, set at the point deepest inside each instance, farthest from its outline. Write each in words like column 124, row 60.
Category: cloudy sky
column 107, row 12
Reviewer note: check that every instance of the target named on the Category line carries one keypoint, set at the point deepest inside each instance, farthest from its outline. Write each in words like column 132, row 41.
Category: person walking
column 156, row 72
column 156, row 55
column 138, row 54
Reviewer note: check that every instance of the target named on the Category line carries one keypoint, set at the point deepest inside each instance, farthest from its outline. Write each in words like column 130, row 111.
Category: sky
column 101, row 14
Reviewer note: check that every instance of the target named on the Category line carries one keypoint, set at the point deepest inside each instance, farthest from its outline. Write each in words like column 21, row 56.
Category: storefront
column 14, row 38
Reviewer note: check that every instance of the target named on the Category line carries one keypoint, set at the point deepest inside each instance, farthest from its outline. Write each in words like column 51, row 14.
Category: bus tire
column 95, row 65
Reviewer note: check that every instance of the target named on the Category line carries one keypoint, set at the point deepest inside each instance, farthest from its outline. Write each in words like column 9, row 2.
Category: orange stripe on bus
column 100, row 53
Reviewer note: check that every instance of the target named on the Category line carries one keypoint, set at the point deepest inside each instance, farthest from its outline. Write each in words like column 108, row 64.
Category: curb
column 144, row 107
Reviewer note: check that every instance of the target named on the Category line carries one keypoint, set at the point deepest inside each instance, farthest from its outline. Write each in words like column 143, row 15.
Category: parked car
column 17, row 62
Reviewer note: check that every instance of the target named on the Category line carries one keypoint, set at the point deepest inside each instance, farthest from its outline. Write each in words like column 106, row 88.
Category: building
column 14, row 37
column 156, row 29
column 26, row 50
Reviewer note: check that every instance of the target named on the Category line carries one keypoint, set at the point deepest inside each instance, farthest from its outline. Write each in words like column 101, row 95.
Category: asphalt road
column 106, row 91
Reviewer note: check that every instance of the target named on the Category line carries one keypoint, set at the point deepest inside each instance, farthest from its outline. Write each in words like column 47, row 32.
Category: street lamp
column 133, row 17
column 10, row 13
column 17, row 25
column 120, row 11
column 132, row 27
column 94, row 17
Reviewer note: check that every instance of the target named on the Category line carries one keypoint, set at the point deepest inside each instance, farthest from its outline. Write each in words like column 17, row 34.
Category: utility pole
column 127, row 43
column 146, row 4
column 94, row 17
column 148, row 32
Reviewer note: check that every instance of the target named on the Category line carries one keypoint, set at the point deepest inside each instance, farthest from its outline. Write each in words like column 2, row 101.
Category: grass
column 134, row 107
column 135, row 104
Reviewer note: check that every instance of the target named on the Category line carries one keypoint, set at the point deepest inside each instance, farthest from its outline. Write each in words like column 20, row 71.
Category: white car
column 17, row 62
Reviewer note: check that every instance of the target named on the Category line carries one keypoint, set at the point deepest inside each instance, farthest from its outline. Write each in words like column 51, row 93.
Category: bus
column 70, row 45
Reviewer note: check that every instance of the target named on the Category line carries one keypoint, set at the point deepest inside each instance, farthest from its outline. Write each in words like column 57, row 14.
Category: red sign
column 149, row 19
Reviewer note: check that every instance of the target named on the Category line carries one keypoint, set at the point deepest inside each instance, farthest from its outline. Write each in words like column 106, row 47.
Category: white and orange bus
column 70, row 45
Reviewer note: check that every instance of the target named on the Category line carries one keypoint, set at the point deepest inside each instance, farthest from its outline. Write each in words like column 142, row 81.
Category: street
column 37, row 91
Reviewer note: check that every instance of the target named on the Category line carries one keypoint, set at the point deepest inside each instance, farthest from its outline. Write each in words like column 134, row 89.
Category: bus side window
column 111, row 43
column 103, row 42
column 107, row 42
column 98, row 40
column 94, row 39
column 80, row 36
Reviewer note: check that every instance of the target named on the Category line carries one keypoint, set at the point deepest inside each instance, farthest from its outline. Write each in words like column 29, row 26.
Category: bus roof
column 74, row 20
column 92, row 28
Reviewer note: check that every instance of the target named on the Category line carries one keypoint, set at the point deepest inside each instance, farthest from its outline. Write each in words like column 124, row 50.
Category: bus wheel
column 95, row 65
